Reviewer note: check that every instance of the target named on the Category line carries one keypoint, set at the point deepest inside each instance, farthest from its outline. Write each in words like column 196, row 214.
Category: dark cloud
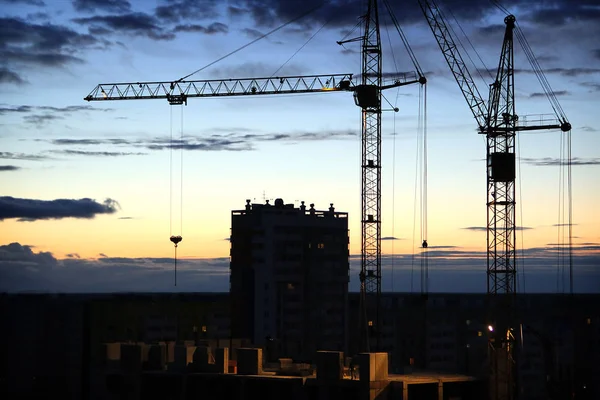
column 594, row 86
column 69, row 142
column 102, row 5
column 38, row 3
column 235, row 11
column 215, row 27
column 73, row 255
column 450, row 270
column 269, row 13
column 32, row 210
column 484, row 229
column 22, row 156
column 98, row 153
column 596, row 53
column 38, row 15
column 17, row 109
column 588, row 129
column 200, row 144
column 556, row 93
column 390, row 238
column 569, row 72
column 549, row 161
column 9, row 168
column 561, row 13
column 135, row 24
column 24, row 44
column 566, row 224
column 252, row 33
column 229, row 140
column 178, row 10
column 39, row 115
column 41, row 119
column 15, row 252
column 8, row 76
column 125, row 218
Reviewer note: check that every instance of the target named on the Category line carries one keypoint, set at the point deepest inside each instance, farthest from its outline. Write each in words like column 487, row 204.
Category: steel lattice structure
column 501, row 232
column 367, row 96
column 177, row 92
column 499, row 122
column 370, row 272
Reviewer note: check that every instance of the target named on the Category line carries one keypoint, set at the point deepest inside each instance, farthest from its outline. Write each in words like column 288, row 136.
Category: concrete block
column 157, row 357
column 112, row 351
column 170, row 352
column 183, row 355
column 286, row 363
column 249, row 361
column 381, row 366
column 131, row 358
column 330, row 365
column 222, row 360
column 203, row 355
column 373, row 367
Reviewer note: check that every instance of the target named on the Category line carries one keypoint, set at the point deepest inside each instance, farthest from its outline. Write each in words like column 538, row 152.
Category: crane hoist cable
column 395, row 133
column 255, row 40
column 521, row 269
column 395, row 107
column 421, row 195
column 565, row 212
column 176, row 239
column 424, row 225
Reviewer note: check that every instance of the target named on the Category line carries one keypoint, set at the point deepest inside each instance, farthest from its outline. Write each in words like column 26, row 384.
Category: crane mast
column 499, row 122
column 367, row 95
column 501, row 232
column 370, row 102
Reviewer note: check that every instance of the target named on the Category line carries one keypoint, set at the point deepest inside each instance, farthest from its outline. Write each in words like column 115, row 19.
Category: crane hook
column 176, row 240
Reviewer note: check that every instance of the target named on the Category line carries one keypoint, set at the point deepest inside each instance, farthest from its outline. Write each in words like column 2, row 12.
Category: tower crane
column 367, row 96
column 498, row 121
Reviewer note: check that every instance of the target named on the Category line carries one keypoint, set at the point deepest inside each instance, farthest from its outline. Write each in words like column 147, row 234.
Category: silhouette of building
column 52, row 343
column 289, row 278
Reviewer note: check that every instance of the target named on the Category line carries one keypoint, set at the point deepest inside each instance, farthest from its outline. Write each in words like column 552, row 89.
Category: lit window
column 321, row 245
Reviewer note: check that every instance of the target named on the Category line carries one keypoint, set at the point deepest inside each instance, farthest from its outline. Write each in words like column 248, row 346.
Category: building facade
column 289, row 277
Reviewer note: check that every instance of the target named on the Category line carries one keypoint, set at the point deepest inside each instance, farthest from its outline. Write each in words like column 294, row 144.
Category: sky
column 90, row 192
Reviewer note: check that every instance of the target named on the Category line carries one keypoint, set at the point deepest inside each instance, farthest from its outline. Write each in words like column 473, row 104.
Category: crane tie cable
column 255, row 40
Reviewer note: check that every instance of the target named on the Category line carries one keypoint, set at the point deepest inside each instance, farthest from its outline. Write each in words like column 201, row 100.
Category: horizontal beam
column 179, row 91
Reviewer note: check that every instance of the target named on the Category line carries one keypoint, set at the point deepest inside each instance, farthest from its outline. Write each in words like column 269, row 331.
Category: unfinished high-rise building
column 289, row 277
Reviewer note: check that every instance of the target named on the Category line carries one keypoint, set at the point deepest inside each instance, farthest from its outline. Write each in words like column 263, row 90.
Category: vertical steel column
column 501, row 232
column 369, row 98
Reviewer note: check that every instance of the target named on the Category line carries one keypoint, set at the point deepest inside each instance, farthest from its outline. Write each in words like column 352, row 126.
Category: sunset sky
column 111, row 163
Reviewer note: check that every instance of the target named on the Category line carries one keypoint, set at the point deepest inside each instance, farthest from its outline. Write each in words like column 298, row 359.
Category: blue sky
column 54, row 145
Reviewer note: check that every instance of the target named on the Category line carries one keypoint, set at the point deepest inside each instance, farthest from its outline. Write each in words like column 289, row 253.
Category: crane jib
column 178, row 92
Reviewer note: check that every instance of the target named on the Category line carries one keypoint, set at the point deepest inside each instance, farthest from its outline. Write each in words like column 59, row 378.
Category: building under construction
column 289, row 275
